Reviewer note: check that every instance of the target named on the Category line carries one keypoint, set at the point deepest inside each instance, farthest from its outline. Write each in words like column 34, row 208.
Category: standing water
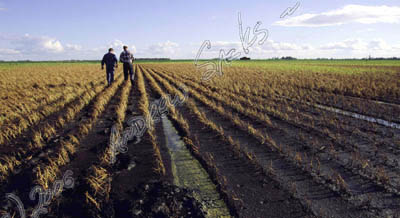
column 351, row 114
column 188, row 173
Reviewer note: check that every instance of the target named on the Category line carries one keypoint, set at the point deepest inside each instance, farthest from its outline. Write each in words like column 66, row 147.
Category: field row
column 266, row 152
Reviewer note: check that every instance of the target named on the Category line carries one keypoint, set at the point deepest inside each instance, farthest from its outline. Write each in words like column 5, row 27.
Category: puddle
column 131, row 165
column 360, row 116
column 188, row 173
column 351, row 114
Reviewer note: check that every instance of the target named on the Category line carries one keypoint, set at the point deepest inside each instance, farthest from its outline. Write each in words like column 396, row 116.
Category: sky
column 177, row 29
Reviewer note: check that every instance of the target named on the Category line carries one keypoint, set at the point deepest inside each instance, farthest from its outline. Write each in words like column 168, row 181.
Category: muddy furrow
column 371, row 173
column 290, row 174
column 91, row 167
column 336, row 126
column 22, row 139
column 353, row 175
column 147, row 98
column 140, row 164
column 391, row 101
column 45, row 170
column 47, row 134
column 187, row 172
column 23, row 118
column 277, row 100
column 242, row 177
column 356, row 143
column 21, row 126
column 56, row 98
column 375, row 109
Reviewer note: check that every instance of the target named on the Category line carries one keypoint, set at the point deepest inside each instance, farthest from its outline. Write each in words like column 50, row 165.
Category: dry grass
column 43, row 91
column 144, row 108
column 47, row 174
column 201, row 96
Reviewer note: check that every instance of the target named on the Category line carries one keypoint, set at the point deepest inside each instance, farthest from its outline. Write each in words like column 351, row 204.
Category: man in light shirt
column 126, row 58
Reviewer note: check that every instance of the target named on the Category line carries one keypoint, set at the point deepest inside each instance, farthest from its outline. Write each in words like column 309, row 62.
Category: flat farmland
column 273, row 138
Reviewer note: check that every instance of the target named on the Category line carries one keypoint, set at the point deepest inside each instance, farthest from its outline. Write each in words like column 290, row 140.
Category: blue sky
column 84, row 29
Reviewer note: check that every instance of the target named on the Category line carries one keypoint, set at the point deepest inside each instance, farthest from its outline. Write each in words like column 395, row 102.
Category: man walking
column 111, row 61
column 127, row 59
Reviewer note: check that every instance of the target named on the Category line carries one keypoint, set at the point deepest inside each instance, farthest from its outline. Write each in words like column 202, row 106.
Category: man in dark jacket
column 111, row 61
column 127, row 58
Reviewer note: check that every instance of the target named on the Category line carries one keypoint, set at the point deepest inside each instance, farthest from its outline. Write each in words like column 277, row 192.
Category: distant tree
column 288, row 58
column 244, row 58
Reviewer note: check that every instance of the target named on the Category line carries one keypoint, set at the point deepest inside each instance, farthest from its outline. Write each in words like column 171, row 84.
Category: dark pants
column 128, row 69
column 110, row 75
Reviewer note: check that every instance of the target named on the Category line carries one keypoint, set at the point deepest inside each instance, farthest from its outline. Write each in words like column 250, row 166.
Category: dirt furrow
column 45, row 170
column 86, row 165
column 47, row 134
column 338, row 147
column 245, row 183
column 298, row 105
column 289, row 176
column 138, row 165
column 21, row 126
column 375, row 109
column 187, row 172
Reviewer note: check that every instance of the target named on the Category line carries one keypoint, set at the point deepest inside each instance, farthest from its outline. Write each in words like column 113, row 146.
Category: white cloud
column 269, row 44
column 269, row 48
column 277, row 46
column 218, row 45
column 396, row 46
column 46, row 48
column 52, row 45
column 117, row 45
column 347, row 14
column 24, row 47
column 225, row 44
column 379, row 44
column 37, row 44
column 73, row 47
column 3, row 9
column 359, row 44
column 363, row 31
column 8, row 51
column 349, row 48
column 349, row 44
column 133, row 49
column 162, row 49
column 30, row 47
column 212, row 18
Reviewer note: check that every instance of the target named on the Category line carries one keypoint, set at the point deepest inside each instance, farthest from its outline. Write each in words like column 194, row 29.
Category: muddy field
column 249, row 143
